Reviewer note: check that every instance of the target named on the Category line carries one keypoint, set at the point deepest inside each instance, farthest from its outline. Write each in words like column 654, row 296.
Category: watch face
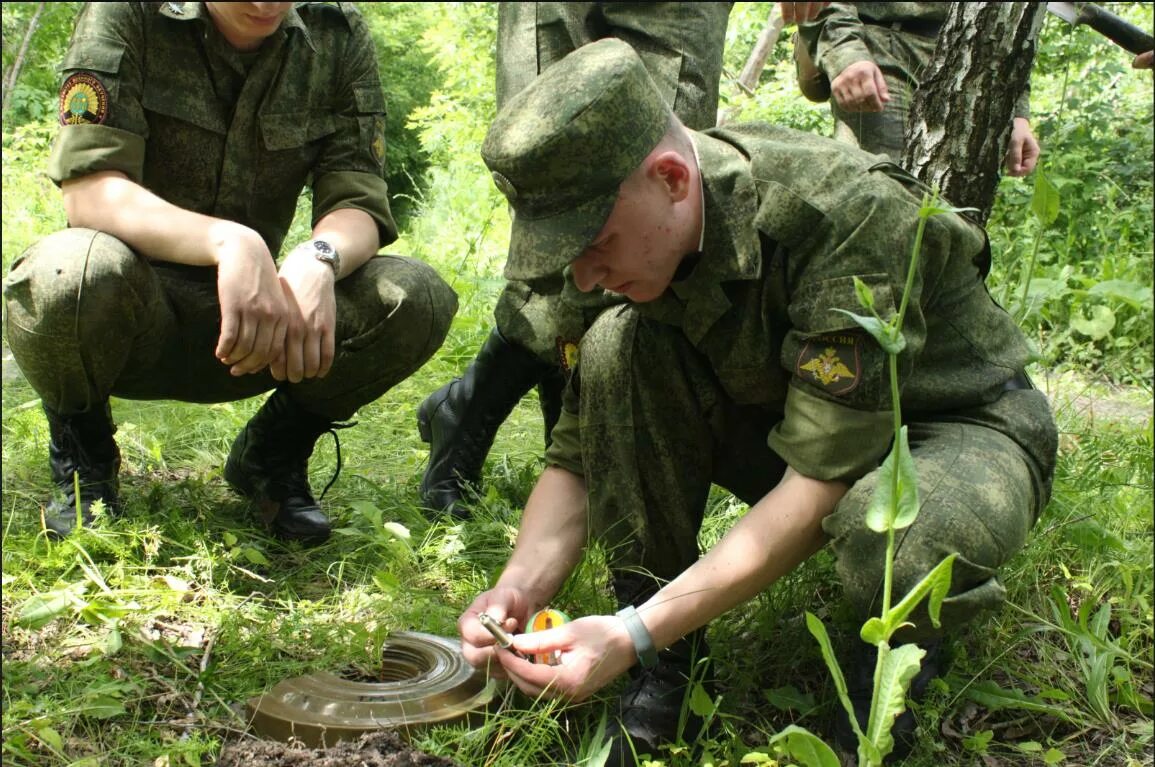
column 323, row 248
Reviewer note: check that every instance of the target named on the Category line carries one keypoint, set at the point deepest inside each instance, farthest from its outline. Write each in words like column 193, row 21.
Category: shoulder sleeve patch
column 83, row 100
column 832, row 362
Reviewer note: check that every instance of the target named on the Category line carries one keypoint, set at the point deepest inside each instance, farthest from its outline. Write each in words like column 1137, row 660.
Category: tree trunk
column 962, row 112
column 748, row 79
column 18, row 63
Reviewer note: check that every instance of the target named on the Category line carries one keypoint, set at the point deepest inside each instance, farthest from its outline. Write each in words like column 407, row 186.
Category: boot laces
column 337, row 447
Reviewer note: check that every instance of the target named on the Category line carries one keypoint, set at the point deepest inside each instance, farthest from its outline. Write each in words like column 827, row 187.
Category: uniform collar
column 188, row 11
column 731, row 249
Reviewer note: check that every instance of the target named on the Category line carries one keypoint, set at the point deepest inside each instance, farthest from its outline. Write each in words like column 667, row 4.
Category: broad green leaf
column 874, row 631
column 888, row 511
column 805, row 746
column 254, row 556
column 1030, row 747
column 1052, row 693
column 1053, row 756
column 1135, row 294
column 891, row 341
column 229, row 538
column 42, row 609
column 102, row 609
column 114, row 641
column 102, row 707
column 818, row 631
column 1045, row 200
column 992, row 696
column 757, row 757
column 700, row 701
column 50, row 738
column 789, row 698
column 367, row 510
column 936, row 584
column 1101, row 623
column 896, row 667
column 1096, row 327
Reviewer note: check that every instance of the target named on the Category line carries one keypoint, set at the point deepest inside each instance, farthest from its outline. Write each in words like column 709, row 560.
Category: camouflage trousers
column 657, row 429
column 549, row 317
column 900, row 56
column 89, row 318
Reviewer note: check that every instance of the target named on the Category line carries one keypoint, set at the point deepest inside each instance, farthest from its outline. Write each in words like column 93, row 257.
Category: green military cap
column 560, row 148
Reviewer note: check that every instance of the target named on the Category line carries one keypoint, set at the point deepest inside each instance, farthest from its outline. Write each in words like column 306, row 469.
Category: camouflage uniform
column 153, row 91
column 744, row 367
column 681, row 45
column 900, row 38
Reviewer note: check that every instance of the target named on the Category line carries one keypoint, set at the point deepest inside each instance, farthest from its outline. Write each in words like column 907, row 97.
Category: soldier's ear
column 672, row 170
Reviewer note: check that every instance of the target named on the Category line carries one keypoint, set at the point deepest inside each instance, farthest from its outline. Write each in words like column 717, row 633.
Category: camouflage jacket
column 791, row 220
column 846, row 33
column 153, row 91
column 681, row 45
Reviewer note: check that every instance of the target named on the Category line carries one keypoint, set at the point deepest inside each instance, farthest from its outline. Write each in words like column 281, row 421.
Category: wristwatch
column 323, row 251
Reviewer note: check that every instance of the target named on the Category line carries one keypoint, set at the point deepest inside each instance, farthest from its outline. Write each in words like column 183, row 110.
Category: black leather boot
column 860, row 688
column 654, row 709
column 268, row 464
column 461, row 419
column 81, row 450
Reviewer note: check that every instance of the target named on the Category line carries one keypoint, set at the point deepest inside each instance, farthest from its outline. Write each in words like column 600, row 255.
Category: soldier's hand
column 509, row 607
column 310, row 338
column 1023, row 150
column 799, row 12
column 253, row 310
column 860, row 88
column 593, row 650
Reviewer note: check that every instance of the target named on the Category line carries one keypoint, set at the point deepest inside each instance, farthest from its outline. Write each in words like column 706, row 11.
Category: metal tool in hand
column 504, row 640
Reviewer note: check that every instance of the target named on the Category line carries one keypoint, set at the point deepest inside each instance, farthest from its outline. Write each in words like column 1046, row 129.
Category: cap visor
column 542, row 246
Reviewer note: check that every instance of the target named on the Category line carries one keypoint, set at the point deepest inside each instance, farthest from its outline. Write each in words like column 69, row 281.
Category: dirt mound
column 376, row 749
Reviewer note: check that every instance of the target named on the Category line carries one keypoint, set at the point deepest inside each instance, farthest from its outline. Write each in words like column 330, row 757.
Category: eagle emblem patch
column 83, row 100
column 831, row 362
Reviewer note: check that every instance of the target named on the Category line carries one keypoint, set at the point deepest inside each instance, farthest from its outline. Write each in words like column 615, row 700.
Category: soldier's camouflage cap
column 560, row 148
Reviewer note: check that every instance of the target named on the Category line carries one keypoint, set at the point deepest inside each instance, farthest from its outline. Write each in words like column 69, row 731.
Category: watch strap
column 643, row 642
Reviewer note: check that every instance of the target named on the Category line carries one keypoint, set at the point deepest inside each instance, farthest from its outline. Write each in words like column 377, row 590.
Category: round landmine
column 424, row 681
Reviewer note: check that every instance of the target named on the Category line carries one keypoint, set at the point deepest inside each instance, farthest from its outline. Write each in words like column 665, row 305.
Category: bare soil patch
column 377, row 749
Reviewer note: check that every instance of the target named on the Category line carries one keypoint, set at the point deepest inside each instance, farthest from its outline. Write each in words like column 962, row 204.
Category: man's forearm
column 353, row 233
column 155, row 228
column 778, row 533
column 552, row 535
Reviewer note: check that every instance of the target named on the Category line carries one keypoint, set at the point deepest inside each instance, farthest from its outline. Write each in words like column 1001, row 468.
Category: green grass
column 186, row 601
